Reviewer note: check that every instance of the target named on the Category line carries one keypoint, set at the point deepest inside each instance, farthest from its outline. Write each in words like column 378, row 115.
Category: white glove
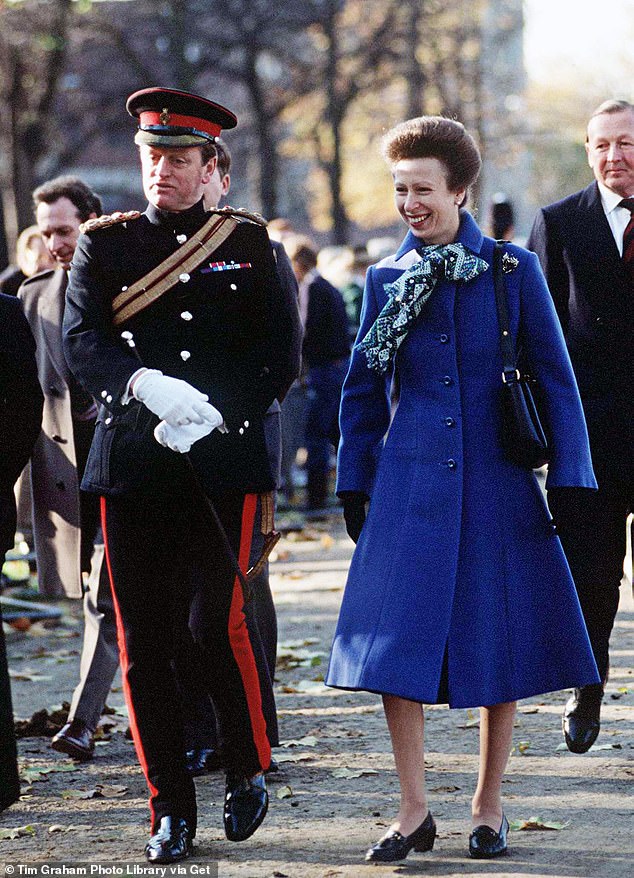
column 183, row 437
column 173, row 400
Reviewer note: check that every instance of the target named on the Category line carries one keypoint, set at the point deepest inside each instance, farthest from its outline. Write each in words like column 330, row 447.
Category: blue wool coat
column 459, row 590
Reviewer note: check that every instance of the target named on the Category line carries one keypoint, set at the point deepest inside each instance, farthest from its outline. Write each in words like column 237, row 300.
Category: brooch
column 509, row 263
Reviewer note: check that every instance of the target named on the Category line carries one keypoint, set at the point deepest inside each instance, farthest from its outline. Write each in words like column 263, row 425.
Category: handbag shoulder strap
column 509, row 364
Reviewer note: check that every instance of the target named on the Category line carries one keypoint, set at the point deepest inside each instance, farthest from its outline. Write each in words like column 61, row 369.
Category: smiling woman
column 458, row 586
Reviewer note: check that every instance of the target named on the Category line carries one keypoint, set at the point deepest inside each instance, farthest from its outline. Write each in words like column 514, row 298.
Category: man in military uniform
column 175, row 319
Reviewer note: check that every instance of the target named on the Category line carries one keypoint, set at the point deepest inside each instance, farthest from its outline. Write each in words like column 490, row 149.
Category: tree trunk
column 414, row 75
column 334, row 114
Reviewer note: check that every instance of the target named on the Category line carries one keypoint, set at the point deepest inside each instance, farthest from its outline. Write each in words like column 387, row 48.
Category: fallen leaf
column 292, row 757
column 605, row 747
column 284, row 793
column 536, row 823
column 17, row 832
column 528, row 710
column 327, row 541
column 72, row 827
column 79, row 794
column 353, row 772
column 306, row 741
column 473, row 721
column 111, row 791
column 448, row 789
column 22, row 623
column 30, row 775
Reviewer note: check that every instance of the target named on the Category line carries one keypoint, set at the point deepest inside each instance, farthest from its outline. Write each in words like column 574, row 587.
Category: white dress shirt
column 617, row 217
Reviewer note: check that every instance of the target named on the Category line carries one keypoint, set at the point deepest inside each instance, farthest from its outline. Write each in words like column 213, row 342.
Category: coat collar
column 189, row 220
column 597, row 229
column 469, row 234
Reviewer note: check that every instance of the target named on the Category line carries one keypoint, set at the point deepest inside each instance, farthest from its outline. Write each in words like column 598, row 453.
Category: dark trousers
column 9, row 780
column 322, row 421
column 592, row 529
column 261, row 619
column 169, row 569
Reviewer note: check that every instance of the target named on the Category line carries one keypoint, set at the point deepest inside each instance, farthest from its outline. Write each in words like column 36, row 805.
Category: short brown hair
column 439, row 138
column 85, row 200
column 302, row 250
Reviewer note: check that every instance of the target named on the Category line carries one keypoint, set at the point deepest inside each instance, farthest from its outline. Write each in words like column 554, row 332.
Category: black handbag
column 523, row 436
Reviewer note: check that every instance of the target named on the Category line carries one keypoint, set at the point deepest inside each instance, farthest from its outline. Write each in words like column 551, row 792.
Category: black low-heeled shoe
column 485, row 843
column 394, row 846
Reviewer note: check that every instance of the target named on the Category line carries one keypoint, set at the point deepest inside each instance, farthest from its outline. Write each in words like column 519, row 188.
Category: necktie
column 628, row 238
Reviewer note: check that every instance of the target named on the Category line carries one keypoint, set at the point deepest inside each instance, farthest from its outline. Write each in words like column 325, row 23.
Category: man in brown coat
column 65, row 520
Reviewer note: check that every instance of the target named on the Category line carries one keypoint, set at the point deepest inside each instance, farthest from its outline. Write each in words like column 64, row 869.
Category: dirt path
column 320, row 823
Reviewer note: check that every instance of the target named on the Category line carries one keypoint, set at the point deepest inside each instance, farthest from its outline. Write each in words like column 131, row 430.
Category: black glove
column 354, row 512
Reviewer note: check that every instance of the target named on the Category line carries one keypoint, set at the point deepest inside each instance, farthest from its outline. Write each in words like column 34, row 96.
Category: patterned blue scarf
column 408, row 294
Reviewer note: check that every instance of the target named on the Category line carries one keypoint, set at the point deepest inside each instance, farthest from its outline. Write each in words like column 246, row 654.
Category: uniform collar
column 469, row 234
column 189, row 220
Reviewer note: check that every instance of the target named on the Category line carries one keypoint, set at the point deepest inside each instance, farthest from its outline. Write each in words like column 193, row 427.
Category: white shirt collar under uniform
column 617, row 217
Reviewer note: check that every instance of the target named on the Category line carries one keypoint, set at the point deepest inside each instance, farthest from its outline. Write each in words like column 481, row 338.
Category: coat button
column 184, row 277
column 450, row 422
column 186, row 315
column 447, row 380
column 181, row 238
column 444, row 338
column 108, row 421
column 600, row 321
column 185, row 355
column 451, row 463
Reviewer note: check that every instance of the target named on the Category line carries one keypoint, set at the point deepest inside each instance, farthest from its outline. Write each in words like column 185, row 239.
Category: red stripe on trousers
column 241, row 643
column 124, row 665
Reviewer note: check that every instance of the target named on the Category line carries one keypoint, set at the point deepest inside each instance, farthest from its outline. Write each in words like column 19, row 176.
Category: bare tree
column 33, row 49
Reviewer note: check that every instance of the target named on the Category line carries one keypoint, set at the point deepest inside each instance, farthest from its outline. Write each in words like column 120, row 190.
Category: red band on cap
column 169, row 120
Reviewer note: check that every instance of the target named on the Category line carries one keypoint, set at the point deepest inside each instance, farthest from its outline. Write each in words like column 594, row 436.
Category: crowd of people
column 176, row 367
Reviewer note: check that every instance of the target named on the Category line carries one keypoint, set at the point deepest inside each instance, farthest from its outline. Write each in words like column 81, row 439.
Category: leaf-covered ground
column 336, row 790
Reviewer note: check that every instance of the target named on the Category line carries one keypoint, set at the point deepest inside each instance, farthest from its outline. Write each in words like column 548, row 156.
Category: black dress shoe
column 246, row 804
column 76, row 740
column 171, row 842
column 394, row 846
column 202, row 761
column 485, row 843
column 581, row 721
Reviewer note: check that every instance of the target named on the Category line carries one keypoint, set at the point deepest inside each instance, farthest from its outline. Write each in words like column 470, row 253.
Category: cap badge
column 165, row 116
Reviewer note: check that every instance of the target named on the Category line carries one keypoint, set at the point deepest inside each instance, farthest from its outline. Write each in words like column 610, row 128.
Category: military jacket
column 227, row 328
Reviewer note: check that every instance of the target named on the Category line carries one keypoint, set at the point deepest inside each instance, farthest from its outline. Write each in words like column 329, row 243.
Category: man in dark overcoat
column 325, row 358
column 21, row 403
column 175, row 319
column 68, row 541
column 582, row 244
